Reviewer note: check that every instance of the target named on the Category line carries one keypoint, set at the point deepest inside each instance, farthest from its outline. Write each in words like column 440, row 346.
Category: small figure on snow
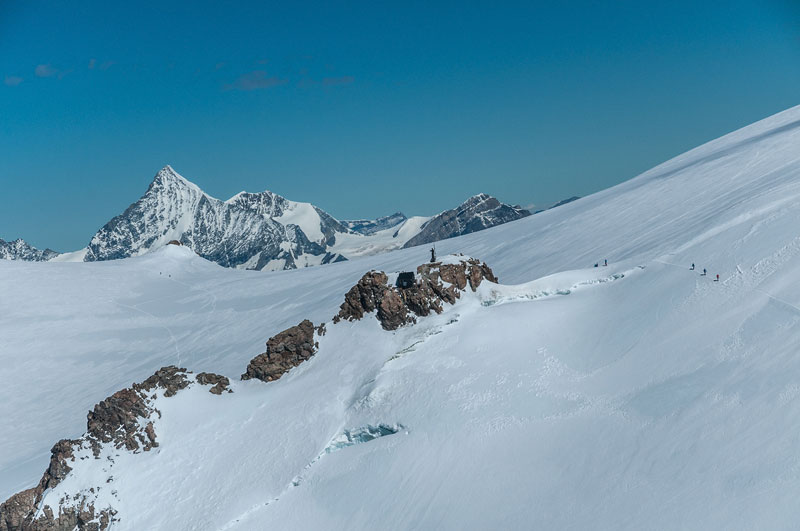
column 717, row 278
column 605, row 262
column 704, row 271
column 433, row 254
column 596, row 264
column 692, row 268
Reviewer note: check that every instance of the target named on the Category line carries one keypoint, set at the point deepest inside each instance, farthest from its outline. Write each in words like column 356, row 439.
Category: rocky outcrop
column 17, row 509
column 285, row 350
column 117, row 419
column 122, row 420
column 219, row 383
column 435, row 284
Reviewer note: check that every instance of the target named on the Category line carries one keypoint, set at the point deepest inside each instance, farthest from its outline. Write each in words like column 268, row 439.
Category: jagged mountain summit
column 19, row 249
column 476, row 213
column 250, row 230
column 265, row 231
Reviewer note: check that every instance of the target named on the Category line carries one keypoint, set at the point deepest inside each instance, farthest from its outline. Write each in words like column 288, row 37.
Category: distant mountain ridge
column 265, row 231
column 476, row 213
column 19, row 249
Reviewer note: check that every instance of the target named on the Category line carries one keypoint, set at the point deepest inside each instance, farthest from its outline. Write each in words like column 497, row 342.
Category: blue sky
column 367, row 108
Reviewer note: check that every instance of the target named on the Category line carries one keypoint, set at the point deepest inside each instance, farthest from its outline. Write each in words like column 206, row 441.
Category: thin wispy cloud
column 257, row 79
column 92, row 62
column 13, row 81
column 337, row 81
column 45, row 71
column 48, row 70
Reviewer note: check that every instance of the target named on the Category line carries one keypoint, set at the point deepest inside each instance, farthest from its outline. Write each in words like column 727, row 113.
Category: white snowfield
column 635, row 396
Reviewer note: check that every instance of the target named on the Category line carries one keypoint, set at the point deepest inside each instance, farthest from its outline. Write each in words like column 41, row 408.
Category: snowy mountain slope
column 19, row 249
column 371, row 226
column 607, row 398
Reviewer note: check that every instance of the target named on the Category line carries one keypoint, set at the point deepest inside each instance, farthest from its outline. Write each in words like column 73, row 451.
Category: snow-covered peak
column 263, row 203
column 19, row 249
column 167, row 177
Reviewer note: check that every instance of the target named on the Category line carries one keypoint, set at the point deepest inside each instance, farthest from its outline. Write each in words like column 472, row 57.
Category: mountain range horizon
column 263, row 230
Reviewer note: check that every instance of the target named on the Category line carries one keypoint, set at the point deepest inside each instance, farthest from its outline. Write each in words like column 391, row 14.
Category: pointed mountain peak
column 167, row 177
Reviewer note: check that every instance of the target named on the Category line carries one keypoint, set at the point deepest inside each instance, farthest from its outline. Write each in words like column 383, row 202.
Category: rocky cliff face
column 476, row 213
column 21, row 250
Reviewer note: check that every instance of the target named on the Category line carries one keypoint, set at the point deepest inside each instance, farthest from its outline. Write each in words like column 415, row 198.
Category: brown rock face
column 220, row 383
column 171, row 379
column 285, row 350
column 17, row 509
column 58, row 468
column 399, row 306
column 364, row 297
column 116, row 419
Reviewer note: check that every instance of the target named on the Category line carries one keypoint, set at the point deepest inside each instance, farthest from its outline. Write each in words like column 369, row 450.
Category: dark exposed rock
column 116, row 419
column 285, row 350
column 17, row 509
column 170, row 378
column 220, row 383
column 174, row 242
column 364, row 297
column 392, row 310
column 58, row 467
column 399, row 306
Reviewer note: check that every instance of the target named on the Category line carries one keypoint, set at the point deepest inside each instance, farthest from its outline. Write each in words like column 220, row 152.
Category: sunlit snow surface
column 635, row 396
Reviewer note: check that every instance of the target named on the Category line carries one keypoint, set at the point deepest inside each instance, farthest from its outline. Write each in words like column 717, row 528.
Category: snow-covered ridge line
column 19, row 249
column 261, row 230
column 266, row 231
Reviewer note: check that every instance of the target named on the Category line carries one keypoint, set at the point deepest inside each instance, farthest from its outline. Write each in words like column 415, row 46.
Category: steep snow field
column 635, row 396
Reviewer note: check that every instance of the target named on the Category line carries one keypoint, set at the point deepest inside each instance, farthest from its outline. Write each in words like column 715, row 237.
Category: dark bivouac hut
column 405, row 280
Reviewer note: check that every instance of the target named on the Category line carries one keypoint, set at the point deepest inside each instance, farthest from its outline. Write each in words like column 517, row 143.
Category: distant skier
column 605, row 262
column 596, row 264
column 692, row 268
column 433, row 254
column 704, row 271
column 717, row 278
